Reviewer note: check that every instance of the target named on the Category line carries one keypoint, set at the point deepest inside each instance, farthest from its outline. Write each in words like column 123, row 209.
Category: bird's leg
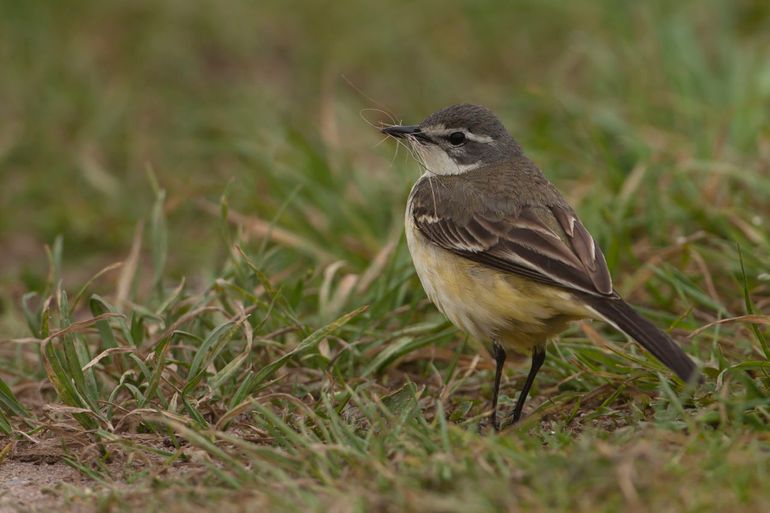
column 538, row 357
column 498, row 353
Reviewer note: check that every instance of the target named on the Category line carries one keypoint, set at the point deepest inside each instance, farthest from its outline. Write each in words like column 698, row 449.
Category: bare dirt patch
column 37, row 486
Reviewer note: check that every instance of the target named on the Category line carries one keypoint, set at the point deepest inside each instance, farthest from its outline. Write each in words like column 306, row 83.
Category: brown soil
column 38, row 486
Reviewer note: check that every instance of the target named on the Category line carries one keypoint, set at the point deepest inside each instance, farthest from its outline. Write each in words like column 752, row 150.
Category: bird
column 501, row 253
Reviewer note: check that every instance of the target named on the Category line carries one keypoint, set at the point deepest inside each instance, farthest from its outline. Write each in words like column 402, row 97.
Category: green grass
column 264, row 343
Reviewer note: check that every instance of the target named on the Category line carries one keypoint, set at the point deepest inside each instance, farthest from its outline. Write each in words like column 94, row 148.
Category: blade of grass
column 311, row 341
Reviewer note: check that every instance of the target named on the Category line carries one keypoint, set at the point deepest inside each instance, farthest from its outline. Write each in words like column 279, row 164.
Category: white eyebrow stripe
column 478, row 138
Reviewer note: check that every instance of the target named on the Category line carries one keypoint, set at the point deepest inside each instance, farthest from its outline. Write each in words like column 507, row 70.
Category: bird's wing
column 548, row 244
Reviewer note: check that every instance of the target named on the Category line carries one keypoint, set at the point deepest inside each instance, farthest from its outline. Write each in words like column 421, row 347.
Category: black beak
column 399, row 131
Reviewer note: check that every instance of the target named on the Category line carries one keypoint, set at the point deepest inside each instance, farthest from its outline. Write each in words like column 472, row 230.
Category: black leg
column 538, row 357
column 498, row 353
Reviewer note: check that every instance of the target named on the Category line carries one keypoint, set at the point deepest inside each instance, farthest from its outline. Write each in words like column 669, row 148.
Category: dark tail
column 621, row 315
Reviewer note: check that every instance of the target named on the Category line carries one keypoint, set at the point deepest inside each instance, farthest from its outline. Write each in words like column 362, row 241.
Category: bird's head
column 457, row 139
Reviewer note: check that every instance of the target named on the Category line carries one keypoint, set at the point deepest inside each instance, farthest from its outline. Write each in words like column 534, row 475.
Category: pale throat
column 438, row 162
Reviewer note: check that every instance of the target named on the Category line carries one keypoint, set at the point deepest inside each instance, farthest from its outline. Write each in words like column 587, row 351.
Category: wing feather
column 546, row 244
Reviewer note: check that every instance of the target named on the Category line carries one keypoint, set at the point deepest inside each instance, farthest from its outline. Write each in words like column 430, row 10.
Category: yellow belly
column 516, row 312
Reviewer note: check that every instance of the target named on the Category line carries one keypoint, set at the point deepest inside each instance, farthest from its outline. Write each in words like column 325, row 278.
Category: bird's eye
column 457, row 138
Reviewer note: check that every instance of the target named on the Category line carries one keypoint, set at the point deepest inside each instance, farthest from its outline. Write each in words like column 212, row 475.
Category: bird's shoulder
column 497, row 191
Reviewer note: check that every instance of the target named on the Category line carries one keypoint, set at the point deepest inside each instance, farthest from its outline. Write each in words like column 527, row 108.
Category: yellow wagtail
column 501, row 253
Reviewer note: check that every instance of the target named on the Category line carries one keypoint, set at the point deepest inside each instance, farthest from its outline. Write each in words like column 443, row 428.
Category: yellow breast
column 489, row 304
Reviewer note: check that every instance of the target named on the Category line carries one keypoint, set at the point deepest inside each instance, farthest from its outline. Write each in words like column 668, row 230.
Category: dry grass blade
column 748, row 319
column 262, row 229
column 107, row 352
column 127, row 273
column 78, row 326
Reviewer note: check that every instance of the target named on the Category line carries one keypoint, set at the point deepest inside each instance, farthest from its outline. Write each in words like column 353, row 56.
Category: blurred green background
column 267, row 101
